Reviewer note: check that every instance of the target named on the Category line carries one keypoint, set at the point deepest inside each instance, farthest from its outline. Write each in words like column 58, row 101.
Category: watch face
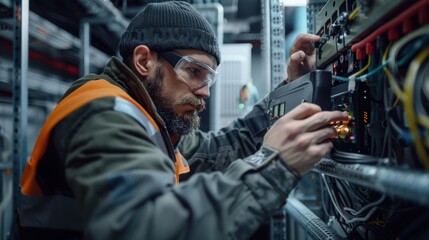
column 264, row 155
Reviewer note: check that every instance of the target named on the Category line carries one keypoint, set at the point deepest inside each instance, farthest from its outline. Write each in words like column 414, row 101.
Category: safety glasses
column 195, row 73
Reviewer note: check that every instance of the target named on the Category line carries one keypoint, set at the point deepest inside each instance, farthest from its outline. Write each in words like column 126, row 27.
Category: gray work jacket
column 123, row 183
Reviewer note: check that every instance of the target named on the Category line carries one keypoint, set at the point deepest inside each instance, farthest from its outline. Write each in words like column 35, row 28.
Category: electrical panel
column 375, row 182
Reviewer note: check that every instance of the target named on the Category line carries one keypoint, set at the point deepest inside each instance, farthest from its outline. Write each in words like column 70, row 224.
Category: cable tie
column 352, row 83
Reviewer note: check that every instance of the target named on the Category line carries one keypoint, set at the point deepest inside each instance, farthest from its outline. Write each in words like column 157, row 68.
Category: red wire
column 393, row 23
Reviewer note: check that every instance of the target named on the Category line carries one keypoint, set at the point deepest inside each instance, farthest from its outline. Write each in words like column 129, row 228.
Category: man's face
column 176, row 102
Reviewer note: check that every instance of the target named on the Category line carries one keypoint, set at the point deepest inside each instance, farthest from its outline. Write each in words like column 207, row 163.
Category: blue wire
column 343, row 79
column 373, row 71
column 417, row 47
column 361, row 78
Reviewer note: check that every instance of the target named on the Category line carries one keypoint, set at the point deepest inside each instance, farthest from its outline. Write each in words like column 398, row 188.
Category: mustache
column 197, row 103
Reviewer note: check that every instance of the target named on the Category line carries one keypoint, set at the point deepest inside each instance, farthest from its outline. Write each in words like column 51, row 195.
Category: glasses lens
column 196, row 73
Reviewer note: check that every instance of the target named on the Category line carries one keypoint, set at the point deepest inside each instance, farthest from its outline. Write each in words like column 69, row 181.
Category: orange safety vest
column 88, row 92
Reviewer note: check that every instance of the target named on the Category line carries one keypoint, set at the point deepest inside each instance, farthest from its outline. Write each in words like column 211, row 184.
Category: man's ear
column 141, row 59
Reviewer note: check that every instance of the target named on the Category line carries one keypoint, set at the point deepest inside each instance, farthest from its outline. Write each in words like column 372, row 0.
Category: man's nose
column 203, row 92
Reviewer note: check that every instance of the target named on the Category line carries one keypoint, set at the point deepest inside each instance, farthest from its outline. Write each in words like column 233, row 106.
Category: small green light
column 241, row 106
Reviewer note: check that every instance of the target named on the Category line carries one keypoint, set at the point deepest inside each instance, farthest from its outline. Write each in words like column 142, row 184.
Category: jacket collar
column 125, row 77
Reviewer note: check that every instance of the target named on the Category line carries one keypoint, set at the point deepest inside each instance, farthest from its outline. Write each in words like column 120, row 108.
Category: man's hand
column 302, row 58
column 302, row 136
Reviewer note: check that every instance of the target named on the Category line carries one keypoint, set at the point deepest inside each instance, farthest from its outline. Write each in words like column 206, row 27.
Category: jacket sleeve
column 125, row 187
column 214, row 151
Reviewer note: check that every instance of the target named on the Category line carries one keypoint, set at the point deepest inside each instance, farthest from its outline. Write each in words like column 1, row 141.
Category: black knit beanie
column 169, row 25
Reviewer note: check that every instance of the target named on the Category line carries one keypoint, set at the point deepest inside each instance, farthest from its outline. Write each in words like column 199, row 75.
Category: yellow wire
column 423, row 120
column 364, row 68
column 395, row 104
column 353, row 15
column 408, row 104
column 392, row 82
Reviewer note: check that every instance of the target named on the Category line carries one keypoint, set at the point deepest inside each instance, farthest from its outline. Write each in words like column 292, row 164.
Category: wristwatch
column 263, row 157
column 271, row 166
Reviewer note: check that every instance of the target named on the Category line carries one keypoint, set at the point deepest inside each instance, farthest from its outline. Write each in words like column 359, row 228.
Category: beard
column 181, row 124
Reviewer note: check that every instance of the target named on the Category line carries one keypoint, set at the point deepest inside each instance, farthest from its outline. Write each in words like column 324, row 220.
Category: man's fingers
column 319, row 150
column 305, row 38
column 297, row 57
column 306, row 139
column 305, row 42
column 309, row 37
column 322, row 135
column 323, row 119
column 302, row 111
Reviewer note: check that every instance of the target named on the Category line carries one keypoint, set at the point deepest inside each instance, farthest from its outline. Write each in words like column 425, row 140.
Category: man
column 107, row 162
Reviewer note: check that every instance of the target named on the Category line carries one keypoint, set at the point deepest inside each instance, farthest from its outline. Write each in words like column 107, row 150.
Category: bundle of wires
column 408, row 113
column 408, row 89
column 405, row 96
column 344, row 197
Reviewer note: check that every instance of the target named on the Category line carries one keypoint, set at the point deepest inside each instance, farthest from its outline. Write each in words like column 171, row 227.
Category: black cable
column 355, row 234
column 396, row 117
column 377, row 115
column 398, row 132
column 356, row 195
column 350, row 157
column 419, row 103
column 331, row 209
column 342, row 189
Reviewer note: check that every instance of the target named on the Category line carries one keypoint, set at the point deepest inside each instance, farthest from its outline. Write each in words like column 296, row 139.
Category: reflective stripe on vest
column 122, row 105
column 60, row 211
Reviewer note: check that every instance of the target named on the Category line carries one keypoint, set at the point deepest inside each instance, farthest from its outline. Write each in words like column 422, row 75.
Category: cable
column 364, row 68
column 421, row 104
column 363, row 77
column 354, row 14
column 369, row 74
column 346, row 218
column 393, row 53
column 333, row 199
column 392, row 62
column 399, row 133
column 423, row 120
column 375, row 85
column 416, row 47
column 341, row 187
column 354, row 212
column 408, row 13
column 324, row 205
column 355, row 194
column 392, row 82
column 343, row 198
column 408, row 104
column 349, row 157
column 342, row 79
column 354, row 76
